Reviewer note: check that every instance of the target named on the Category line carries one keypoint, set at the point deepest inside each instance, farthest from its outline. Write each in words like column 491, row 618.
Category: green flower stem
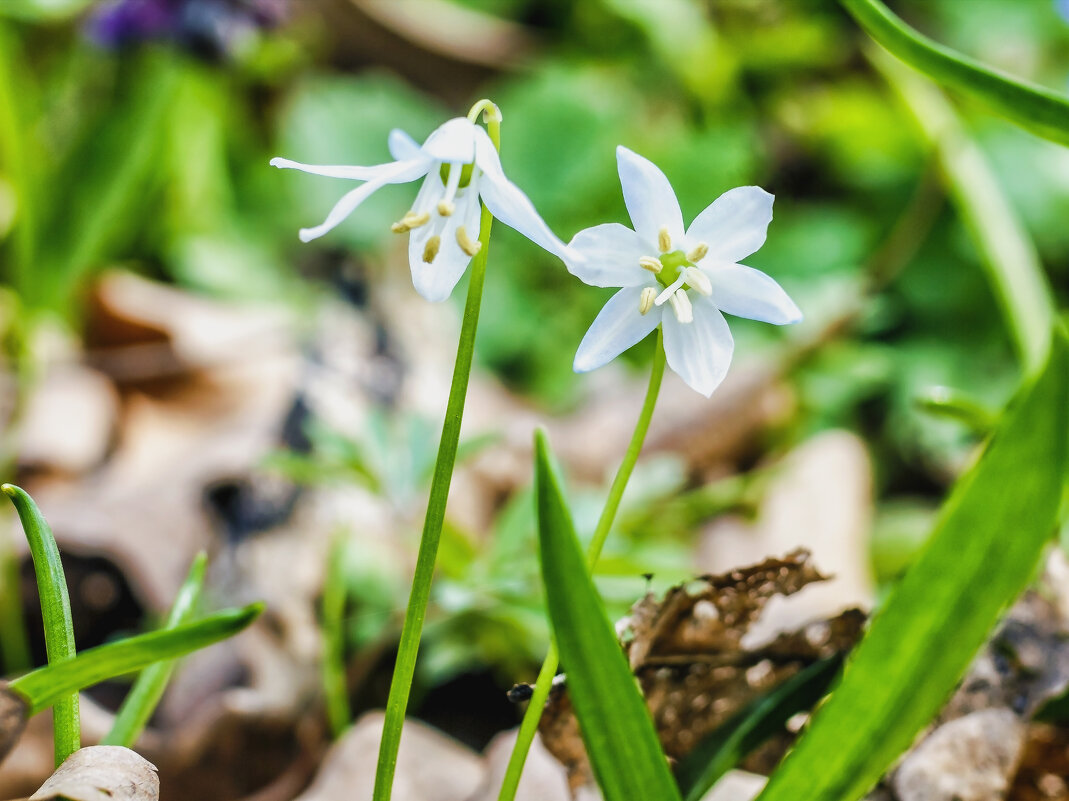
column 147, row 691
column 335, row 688
column 529, row 725
column 404, row 668
column 55, row 611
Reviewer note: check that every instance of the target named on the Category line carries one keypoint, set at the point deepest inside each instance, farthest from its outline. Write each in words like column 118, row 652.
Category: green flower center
column 672, row 265
column 465, row 174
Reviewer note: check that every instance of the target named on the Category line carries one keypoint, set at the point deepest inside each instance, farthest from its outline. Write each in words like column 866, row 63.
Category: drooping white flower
column 681, row 279
column 459, row 165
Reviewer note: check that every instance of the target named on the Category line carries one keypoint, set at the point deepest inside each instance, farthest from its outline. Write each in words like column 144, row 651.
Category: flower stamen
column 645, row 300
column 430, row 250
column 664, row 239
column 698, row 281
column 467, row 244
column 446, row 206
column 681, row 306
column 409, row 221
column 670, row 290
column 698, row 253
column 651, row 264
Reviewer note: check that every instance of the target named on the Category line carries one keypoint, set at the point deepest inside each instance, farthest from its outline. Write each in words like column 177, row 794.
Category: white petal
column 610, row 256
column 746, row 292
column 649, row 197
column 734, row 225
column 402, row 146
column 334, row 171
column 618, row 326
column 699, row 351
column 395, row 172
column 435, row 281
column 508, row 203
column 452, row 141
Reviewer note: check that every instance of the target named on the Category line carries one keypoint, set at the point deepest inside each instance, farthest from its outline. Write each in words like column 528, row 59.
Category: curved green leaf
column 1036, row 108
column 616, row 725
column 981, row 555
column 55, row 612
column 44, row 686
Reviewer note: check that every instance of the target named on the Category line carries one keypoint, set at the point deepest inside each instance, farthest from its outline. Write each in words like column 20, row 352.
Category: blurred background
column 181, row 373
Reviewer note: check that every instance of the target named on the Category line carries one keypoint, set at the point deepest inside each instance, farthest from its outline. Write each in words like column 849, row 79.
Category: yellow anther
column 651, row 264
column 681, row 306
column 699, row 252
column 645, row 301
column 467, row 244
column 446, row 208
column 409, row 221
column 430, row 250
column 664, row 239
column 698, row 281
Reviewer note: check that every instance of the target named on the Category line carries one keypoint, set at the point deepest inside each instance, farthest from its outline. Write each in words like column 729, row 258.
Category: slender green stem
column 55, row 611
column 529, row 725
column 404, row 668
column 147, row 691
column 335, row 688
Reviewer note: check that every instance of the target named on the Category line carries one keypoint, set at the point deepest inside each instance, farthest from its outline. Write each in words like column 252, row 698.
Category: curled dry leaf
column 13, row 714
column 102, row 773
column 686, row 652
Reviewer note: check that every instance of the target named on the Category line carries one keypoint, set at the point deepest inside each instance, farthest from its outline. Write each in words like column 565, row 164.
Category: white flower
column 694, row 273
column 461, row 166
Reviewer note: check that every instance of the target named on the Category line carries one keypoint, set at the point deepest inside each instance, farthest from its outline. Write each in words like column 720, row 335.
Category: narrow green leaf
column 55, row 612
column 1033, row 107
column 1012, row 265
column 44, row 686
column 981, row 555
column 147, row 691
column 617, row 729
column 751, row 726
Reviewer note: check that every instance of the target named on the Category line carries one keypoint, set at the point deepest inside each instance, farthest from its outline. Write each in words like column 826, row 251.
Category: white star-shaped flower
column 461, row 166
column 680, row 279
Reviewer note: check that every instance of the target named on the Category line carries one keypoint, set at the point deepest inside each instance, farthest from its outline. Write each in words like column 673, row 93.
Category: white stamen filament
column 664, row 239
column 698, row 253
column 681, row 306
column 409, row 221
column 651, row 264
column 664, row 296
column 446, row 206
column 698, row 281
column 469, row 246
column 645, row 301
column 430, row 250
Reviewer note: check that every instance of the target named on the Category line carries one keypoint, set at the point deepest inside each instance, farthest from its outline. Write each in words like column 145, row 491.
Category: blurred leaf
column 617, row 728
column 44, row 686
column 981, row 555
column 1036, row 108
column 753, row 725
column 43, row 10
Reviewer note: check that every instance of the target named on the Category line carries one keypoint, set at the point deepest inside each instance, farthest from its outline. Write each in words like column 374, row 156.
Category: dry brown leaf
column 13, row 714
column 102, row 773
column 686, row 652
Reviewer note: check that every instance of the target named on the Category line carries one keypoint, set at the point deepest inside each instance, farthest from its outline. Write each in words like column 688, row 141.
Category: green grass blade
column 55, row 611
column 617, row 729
column 1035, row 108
column 44, row 686
column 756, row 722
column 980, row 556
column 147, row 691
column 1013, row 268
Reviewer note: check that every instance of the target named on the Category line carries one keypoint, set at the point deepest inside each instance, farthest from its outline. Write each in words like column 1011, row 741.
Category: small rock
column 544, row 778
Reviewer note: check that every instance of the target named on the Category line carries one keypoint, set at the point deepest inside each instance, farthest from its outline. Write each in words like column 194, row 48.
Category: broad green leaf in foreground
column 44, row 686
column 1035, row 108
column 55, row 613
column 616, row 725
column 981, row 555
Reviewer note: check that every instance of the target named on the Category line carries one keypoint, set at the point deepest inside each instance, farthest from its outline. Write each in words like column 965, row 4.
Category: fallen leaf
column 13, row 714
column 102, row 773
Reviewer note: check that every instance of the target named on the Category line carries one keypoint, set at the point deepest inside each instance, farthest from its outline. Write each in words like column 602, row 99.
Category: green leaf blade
column 1035, row 108
column 44, row 686
column 981, row 555
column 616, row 725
